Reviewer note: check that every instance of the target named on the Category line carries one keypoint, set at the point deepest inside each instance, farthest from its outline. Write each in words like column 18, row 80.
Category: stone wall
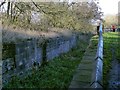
column 31, row 54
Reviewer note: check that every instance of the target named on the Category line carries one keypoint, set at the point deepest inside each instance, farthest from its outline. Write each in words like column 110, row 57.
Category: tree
column 8, row 8
column 73, row 15
column 111, row 20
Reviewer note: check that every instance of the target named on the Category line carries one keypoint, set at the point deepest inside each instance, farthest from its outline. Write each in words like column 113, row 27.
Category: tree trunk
column 8, row 9
column 11, row 10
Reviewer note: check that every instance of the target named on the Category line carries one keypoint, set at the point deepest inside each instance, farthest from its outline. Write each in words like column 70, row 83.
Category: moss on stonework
column 8, row 51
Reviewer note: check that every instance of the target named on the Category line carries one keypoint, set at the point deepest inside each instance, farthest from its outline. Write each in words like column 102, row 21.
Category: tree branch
column 2, row 3
column 38, row 7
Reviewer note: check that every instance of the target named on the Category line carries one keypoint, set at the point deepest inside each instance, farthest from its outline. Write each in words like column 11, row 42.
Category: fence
column 97, row 76
column 29, row 54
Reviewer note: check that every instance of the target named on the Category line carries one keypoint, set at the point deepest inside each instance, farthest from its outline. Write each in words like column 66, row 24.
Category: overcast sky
column 109, row 6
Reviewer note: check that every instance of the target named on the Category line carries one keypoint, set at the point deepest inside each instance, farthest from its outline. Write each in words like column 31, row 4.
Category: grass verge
column 57, row 73
column 111, row 40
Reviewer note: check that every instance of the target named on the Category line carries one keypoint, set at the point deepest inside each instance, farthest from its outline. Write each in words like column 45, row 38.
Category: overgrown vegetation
column 42, row 15
column 25, row 20
column 111, row 41
column 35, row 17
column 8, row 51
column 57, row 73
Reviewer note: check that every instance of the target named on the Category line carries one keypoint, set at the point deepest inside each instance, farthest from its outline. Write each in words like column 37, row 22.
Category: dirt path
column 114, row 75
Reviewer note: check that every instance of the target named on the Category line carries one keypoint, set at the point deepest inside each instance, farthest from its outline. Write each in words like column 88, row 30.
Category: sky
column 109, row 6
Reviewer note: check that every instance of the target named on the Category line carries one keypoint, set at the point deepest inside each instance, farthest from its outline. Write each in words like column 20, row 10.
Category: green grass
column 57, row 73
column 110, row 41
